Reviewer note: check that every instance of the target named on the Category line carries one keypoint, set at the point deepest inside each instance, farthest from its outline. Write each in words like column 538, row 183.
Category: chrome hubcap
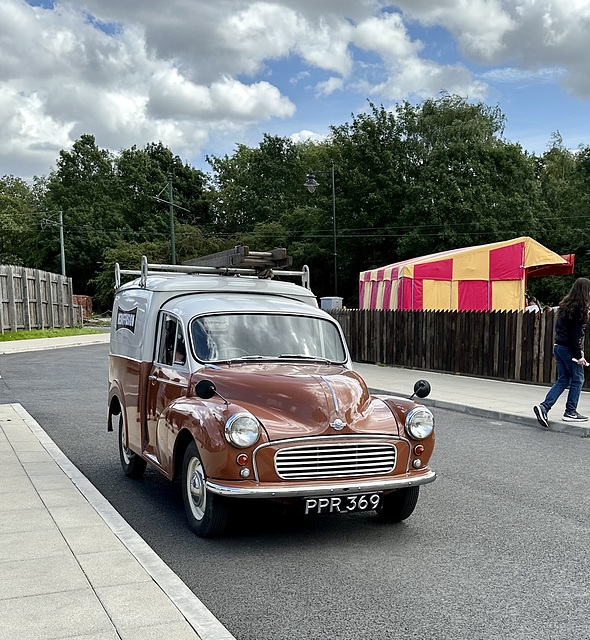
column 124, row 450
column 196, row 488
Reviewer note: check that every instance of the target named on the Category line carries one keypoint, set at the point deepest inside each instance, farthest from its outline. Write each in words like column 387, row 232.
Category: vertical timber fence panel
column 34, row 299
column 508, row 345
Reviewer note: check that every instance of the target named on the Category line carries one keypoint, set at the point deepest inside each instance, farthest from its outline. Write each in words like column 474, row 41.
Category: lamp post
column 311, row 185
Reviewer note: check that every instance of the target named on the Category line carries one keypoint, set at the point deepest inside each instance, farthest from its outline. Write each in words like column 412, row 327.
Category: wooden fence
column 33, row 299
column 512, row 345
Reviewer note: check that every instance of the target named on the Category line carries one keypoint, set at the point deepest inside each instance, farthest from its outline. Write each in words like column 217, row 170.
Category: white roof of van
column 198, row 283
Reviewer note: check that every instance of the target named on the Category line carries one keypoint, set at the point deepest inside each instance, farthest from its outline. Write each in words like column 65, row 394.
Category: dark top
column 569, row 332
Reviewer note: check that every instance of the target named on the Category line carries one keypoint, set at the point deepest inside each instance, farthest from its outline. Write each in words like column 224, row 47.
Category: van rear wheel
column 133, row 465
column 206, row 512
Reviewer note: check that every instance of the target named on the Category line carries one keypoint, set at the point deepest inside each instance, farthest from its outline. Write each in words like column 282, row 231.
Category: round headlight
column 242, row 430
column 420, row 423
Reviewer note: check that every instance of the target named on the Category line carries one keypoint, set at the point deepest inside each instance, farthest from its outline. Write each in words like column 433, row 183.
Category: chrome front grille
column 335, row 460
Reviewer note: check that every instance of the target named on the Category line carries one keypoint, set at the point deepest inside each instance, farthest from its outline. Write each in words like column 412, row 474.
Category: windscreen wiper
column 302, row 356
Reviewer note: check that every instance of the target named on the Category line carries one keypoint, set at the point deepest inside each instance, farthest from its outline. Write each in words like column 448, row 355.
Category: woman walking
column 570, row 328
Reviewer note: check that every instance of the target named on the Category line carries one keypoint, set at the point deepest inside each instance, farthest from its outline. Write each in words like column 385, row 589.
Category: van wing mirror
column 421, row 389
column 205, row 389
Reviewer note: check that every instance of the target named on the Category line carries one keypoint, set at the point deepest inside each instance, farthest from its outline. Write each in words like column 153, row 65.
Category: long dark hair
column 577, row 301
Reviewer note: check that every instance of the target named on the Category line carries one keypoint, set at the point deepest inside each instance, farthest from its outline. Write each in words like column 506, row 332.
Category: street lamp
column 311, row 185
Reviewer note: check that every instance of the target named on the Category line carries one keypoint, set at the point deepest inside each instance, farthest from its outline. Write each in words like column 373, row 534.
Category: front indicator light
column 418, row 449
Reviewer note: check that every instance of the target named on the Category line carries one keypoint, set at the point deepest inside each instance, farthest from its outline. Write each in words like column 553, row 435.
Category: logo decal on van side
column 126, row 319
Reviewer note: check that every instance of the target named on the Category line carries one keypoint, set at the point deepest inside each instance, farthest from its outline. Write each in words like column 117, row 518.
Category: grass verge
column 45, row 333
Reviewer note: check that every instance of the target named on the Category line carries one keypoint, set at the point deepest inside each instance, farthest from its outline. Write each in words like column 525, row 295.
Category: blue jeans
column 569, row 373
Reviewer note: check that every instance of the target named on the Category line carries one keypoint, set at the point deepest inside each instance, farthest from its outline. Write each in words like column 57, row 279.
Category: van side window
column 180, row 350
column 167, row 340
column 172, row 349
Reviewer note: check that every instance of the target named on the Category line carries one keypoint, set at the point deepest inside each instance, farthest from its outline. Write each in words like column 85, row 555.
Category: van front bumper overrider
column 247, row 489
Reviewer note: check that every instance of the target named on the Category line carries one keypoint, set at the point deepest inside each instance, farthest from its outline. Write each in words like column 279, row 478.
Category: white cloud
column 329, row 86
column 136, row 71
column 519, row 76
column 409, row 75
column 308, row 136
column 527, row 33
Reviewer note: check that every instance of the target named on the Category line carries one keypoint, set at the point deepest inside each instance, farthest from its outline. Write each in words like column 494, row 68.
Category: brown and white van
column 242, row 388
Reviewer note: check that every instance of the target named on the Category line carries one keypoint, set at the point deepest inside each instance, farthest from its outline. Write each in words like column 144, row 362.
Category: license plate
column 342, row 504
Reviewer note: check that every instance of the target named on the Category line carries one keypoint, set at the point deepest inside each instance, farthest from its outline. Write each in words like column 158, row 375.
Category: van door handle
column 152, row 377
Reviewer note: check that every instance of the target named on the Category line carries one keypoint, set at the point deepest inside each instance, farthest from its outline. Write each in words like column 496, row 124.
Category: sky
column 203, row 76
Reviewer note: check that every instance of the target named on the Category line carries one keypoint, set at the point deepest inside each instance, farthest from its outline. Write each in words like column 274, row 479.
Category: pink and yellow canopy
column 483, row 278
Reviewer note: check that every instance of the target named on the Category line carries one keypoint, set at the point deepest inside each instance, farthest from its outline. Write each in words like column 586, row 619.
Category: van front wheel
column 206, row 513
column 398, row 505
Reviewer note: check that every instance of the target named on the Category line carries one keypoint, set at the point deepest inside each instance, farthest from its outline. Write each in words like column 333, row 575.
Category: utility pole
column 61, row 243
column 48, row 222
column 171, row 202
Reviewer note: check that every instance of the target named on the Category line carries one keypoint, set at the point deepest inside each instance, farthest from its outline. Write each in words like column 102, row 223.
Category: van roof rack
column 238, row 261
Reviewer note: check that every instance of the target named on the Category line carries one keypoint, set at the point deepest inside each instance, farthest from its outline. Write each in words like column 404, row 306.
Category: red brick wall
column 86, row 303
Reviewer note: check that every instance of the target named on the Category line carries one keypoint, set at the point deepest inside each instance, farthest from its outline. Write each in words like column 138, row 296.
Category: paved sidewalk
column 71, row 566
column 41, row 344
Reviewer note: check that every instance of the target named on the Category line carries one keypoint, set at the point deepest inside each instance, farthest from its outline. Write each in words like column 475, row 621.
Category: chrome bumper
column 340, row 488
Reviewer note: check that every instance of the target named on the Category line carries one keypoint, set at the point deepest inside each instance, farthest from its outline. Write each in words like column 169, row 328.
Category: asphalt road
column 498, row 547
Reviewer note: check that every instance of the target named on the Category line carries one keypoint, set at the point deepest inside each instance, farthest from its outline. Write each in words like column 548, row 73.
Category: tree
column 256, row 185
column 107, row 199
column 565, row 187
column 16, row 218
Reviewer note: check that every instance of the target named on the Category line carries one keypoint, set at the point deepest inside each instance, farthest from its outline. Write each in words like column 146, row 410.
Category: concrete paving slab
column 111, row 568
column 32, row 545
column 92, row 539
column 61, row 498
column 178, row 631
column 51, row 483
column 37, row 454
column 10, row 484
column 12, row 468
column 25, row 446
column 111, row 635
column 78, row 516
column 53, row 615
column 33, row 577
column 25, row 498
column 15, row 433
column 27, row 520
column 137, row 605
column 43, row 469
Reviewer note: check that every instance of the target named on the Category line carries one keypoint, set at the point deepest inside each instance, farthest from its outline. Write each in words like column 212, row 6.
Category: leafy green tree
column 16, row 218
column 107, row 198
column 565, row 187
column 256, row 185
column 144, row 175
column 426, row 178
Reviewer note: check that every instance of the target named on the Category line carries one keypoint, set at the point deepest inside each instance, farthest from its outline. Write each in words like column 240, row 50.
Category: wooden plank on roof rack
column 241, row 256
